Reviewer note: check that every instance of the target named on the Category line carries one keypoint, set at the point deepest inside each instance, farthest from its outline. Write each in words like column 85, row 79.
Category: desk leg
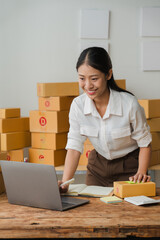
column 152, row 174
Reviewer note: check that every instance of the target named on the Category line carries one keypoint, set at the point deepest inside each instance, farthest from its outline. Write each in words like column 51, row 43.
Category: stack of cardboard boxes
column 152, row 112
column 14, row 137
column 87, row 144
column 49, row 124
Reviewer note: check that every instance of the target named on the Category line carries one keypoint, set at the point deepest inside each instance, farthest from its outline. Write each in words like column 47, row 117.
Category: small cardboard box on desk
column 124, row 189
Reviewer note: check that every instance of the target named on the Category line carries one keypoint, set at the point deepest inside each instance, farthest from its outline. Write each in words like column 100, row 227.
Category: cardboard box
column 155, row 159
column 123, row 189
column 155, row 141
column 58, row 89
column 121, row 83
column 84, row 157
column 154, row 124
column 14, row 125
column 45, row 156
column 53, row 141
column 3, row 156
column 55, row 103
column 49, row 121
column 16, row 155
column 16, row 140
column 151, row 107
column 9, row 112
column 2, row 187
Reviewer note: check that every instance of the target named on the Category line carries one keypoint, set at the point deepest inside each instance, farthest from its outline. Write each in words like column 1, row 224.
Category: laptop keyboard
column 65, row 204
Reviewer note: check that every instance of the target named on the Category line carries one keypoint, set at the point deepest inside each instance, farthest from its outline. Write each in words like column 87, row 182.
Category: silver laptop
column 35, row 185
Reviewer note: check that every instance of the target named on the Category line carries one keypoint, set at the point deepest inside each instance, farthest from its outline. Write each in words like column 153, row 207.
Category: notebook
column 90, row 191
column 35, row 185
column 141, row 200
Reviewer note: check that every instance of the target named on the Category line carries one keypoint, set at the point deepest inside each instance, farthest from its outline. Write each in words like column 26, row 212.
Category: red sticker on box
column 42, row 121
column 8, row 158
column 47, row 103
column 87, row 153
column 117, row 190
column 41, row 156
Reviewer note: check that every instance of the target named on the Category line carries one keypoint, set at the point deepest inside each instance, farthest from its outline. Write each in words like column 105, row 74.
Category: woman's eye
column 81, row 79
column 94, row 79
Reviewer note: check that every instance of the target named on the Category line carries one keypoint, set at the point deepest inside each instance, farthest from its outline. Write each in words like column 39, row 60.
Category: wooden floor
column 93, row 220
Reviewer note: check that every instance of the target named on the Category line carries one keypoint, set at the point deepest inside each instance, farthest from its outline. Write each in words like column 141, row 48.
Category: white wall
column 39, row 42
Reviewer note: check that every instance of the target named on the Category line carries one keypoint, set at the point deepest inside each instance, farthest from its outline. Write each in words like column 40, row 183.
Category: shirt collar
column 114, row 105
column 89, row 107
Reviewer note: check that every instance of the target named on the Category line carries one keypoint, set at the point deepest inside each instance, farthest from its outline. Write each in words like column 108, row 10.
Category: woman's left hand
column 140, row 177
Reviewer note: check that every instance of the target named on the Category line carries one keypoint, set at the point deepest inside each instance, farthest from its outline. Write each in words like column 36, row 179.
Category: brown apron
column 103, row 172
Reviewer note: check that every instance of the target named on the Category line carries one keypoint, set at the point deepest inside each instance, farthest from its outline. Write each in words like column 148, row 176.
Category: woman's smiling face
column 92, row 81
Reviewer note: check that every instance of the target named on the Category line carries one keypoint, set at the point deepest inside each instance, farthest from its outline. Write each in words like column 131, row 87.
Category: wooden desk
column 96, row 219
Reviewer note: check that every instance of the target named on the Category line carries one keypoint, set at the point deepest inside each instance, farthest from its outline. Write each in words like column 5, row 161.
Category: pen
column 69, row 181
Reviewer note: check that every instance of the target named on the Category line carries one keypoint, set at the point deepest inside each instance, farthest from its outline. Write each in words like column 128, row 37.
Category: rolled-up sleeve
column 140, row 129
column 75, row 139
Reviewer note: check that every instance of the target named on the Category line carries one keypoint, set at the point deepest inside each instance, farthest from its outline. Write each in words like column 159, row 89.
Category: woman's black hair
column 99, row 59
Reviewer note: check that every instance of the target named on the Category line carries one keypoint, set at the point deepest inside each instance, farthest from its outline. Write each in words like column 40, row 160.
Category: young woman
column 114, row 122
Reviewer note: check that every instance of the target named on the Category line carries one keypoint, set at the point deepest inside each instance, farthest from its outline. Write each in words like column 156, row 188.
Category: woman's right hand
column 64, row 188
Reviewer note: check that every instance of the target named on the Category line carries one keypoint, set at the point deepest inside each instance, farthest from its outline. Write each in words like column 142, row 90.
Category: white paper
column 151, row 55
column 150, row 23
column 94, row 24
column 141, row 200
